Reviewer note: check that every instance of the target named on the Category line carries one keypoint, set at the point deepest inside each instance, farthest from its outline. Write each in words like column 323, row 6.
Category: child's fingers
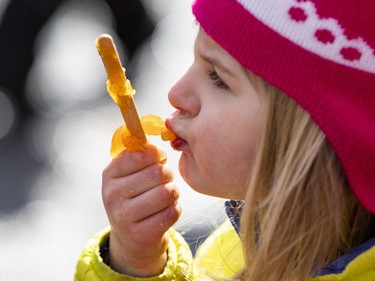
column 151, row 229
column 141, row 181
column 126, row 211
column 131, row 162
column 117, row 192
column 153, row 201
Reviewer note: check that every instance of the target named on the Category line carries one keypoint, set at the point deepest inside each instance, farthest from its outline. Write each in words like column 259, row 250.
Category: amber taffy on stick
column 132, row 136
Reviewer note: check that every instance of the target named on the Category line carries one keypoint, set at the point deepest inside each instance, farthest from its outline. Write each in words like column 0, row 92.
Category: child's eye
column 216, row 79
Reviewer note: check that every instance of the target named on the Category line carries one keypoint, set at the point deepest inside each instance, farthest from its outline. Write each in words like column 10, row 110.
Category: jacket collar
column 233, row 208
column 340, row 264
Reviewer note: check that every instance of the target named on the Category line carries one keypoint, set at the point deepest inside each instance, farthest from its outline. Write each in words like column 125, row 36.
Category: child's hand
column 141, row 203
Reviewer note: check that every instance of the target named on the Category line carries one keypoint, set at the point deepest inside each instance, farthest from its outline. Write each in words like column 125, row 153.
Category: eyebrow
column 212, row 59
column 202, row 43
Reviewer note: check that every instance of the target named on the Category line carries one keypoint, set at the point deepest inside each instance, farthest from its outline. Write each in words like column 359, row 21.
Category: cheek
column 224, row 158
column 224, row 147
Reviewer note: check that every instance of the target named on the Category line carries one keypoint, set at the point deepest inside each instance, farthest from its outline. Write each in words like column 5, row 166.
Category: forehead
column 212, row 52
column 205, row 42
column 206, row 48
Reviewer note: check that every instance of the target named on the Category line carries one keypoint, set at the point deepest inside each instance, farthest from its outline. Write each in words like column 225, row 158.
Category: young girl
column 277, row 113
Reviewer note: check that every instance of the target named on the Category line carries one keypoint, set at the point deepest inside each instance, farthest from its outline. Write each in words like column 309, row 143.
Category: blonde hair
column 299, row 213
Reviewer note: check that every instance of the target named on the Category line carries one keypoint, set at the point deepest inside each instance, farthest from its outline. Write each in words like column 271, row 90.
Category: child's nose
column 175, row 94
column 182, row 97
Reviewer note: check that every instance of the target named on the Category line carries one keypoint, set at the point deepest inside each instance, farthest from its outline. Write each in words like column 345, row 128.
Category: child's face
column 219, row 120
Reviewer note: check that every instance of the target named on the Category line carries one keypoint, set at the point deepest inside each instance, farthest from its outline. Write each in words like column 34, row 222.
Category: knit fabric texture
column 321, row 53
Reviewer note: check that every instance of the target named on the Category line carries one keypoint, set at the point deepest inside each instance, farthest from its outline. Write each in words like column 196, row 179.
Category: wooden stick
column 118, row 87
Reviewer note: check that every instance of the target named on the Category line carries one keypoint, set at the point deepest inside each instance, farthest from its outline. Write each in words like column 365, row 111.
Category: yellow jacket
column 221, row 256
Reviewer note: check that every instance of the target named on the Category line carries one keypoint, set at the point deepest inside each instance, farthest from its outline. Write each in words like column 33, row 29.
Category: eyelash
column 212, row 74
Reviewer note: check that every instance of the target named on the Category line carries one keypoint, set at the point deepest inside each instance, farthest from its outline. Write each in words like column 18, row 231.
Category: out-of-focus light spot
column 80, row 148
column 168, row 56
column 168, row 7
column 7, row 115
column 68, row 70
column 3, row 4
column 172, row 43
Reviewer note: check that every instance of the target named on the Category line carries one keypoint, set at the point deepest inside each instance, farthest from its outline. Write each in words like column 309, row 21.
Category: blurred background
column 56, row 122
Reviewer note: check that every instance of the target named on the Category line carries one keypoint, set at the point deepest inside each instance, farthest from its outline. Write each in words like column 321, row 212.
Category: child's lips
column 178, row 143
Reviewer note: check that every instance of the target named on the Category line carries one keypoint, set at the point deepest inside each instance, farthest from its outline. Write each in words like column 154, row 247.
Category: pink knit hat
column 321, row 53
